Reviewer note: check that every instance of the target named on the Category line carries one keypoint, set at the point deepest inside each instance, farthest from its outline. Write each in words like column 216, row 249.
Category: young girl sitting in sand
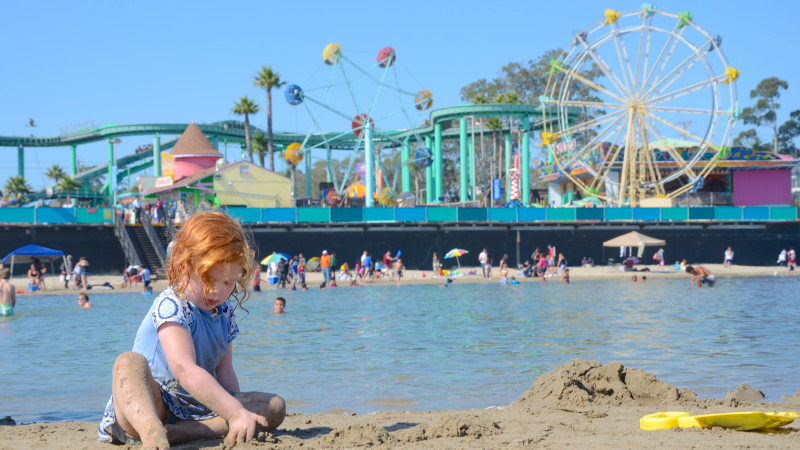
column 178, row 384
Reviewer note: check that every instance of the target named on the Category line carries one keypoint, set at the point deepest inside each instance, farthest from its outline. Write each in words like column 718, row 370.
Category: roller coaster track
column 233, row 131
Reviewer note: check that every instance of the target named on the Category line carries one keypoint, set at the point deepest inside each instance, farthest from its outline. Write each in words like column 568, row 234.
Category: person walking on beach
column 728, row 258
column 8, row 295
column 483, row 257
column 701, row 276
column 179, row 383
column 791, row 256
column 398, row 269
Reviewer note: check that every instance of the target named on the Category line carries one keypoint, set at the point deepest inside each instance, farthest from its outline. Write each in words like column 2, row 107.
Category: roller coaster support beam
column 309, row 184
column 525, row 192
column 406, row 169
column 329, row 171
column 157, row 155
column 111, row 173
column 21, row 161
column 370, row 188
column 428, row 176
column 437, row 161
column 73, row 160
column 462, row 144
column 473, row 196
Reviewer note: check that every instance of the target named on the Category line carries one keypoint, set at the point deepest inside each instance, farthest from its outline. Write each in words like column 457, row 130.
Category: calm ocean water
column 423, row 347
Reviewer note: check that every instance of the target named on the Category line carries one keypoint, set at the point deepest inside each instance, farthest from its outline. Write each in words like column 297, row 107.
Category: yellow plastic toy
column 742, row 421
column 662, row 420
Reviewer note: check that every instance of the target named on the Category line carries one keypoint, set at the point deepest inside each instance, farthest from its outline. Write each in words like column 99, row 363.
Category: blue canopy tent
column 26, row 253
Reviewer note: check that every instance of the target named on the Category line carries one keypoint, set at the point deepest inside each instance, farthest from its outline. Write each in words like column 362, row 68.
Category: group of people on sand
column 543, row 264
column 291, row 273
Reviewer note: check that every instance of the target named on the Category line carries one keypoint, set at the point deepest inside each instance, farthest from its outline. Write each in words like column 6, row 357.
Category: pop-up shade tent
column 633, row 239
column 23, row 255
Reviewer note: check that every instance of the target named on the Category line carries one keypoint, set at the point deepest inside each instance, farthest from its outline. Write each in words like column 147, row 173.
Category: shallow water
column 423, row 347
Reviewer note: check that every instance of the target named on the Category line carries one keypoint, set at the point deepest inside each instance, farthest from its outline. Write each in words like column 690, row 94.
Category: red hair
column 205, row 240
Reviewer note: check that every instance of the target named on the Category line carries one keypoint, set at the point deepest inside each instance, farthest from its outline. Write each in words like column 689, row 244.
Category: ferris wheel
column 352, row 99
column 640, row 104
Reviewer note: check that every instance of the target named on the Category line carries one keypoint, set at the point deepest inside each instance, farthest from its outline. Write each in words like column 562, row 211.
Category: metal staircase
column 146, row 245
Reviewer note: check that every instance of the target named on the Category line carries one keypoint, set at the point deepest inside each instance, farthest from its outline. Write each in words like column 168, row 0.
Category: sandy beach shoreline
column 313, row 279
column 580, row 404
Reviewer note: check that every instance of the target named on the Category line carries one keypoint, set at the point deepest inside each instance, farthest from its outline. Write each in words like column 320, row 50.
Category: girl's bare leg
column 139, row 409
column 270, row 406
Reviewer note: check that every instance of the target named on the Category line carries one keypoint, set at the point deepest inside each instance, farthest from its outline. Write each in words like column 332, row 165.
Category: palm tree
column 245, row 107
column 68, row 184
column 260, row 146
column 18, row 188
column 55, row 173
column 267, row 79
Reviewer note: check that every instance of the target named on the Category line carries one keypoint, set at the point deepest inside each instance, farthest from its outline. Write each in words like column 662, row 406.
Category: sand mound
column 366, row 435
column 743, row 395
column 589, row 383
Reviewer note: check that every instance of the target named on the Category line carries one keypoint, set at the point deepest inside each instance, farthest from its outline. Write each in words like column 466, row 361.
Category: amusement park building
column 195, row 173
column 743, row 177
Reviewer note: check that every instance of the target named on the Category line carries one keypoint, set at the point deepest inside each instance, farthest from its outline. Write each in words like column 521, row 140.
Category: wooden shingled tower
column 193, row 152
column 194, row 143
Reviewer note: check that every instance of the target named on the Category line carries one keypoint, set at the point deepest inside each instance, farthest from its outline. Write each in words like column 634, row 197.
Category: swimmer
column 565, row 276
column 644, row 279
column 701, row 276
column 280, row 305
column 447, row 283
column 634, row 279
column 8, row 295
column 83, row 300
column 514, row 280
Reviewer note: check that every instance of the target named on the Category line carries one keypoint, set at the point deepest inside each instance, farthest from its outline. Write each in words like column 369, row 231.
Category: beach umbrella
column 275, row 258
column 312, row 264
column 455, row 253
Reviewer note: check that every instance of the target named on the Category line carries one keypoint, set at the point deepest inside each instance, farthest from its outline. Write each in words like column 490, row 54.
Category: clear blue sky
column 66, row 63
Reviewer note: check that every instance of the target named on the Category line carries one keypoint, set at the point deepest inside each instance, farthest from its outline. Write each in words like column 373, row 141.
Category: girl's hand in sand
column 242, row 426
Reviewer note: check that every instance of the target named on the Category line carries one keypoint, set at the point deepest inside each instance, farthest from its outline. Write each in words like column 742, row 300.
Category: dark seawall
column 754, row 243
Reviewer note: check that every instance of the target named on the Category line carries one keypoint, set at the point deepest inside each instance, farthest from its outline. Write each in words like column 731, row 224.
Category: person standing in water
column 8, row 295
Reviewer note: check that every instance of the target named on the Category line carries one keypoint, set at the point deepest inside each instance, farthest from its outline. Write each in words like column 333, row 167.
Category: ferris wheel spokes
column 603, row 65
column 623, row 60
column 585, row 152
column 574, row 74
column 674, row 153
column 673, row 40
column 687, row 90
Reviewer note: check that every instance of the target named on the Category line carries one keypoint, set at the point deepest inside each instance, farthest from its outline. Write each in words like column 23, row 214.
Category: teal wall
column 432, row 214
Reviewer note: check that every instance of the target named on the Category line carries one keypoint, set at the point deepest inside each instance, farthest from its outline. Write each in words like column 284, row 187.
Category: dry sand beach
column 580, row 404
column 425, row 276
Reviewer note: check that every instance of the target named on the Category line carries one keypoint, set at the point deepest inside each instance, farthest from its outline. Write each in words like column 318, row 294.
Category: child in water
column 178, row 384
